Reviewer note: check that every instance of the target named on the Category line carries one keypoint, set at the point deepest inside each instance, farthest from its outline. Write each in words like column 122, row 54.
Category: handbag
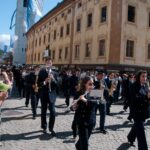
column 52, row 96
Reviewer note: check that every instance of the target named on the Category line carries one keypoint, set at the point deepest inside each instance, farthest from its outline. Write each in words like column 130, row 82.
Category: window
column 103, row 14
column 62, row 15
column 69, row 11
column 68, row 29
column 35, row 57
column 149, row 19
column 38, row 56
column 89, row 20
column 36, row 43
column 131, row 13
column 60, row 53
column 66, row 52
column 56, row 19
column 79, row 5
column 148, row 56
column 78, row 25
column 49, row 37
column 101, row 48
column 130, row 48
column 61, row 31
column 32, row 44
column 88, row 50
column 77, row 51
column 25, row 3
column 54, row 34
column 53, row 54
column 44, row 39
column 39, row 41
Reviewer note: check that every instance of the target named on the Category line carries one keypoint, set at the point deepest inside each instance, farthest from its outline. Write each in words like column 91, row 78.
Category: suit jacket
column 139, row 101
column 85, row 114
column 43, row 74
column 108, row 83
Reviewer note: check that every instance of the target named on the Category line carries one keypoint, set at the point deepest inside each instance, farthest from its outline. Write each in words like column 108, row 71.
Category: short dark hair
column 48, row 58
column 99, row 72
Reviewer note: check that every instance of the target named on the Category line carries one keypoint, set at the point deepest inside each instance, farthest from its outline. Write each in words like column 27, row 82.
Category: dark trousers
column 102, row 109
column 46, row 104
column 137, row 131
column 67, row 96
column 34, row 102
column 74, row 128
column 28, row 95
column 108, row 104
column 19, row 89
column 84, row 135
column 23, row 91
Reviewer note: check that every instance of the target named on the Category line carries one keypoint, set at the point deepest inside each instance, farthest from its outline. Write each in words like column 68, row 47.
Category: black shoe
column 27, row 106
column 129, row 118
column 103, row 131
column 53, row 133
column 77, row 147
column 131, row 143
column 44, row 131
column 34, row 117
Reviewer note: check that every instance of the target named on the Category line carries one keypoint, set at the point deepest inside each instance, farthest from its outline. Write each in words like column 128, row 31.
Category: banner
column 34, row 8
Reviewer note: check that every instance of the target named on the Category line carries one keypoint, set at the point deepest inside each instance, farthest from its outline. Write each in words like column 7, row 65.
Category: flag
column 35, row 7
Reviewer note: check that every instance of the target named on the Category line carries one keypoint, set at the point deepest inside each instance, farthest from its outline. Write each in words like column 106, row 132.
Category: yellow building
column 105, row 34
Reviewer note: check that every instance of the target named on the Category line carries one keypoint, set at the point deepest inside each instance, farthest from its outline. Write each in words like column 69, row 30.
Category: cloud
column 5, row 39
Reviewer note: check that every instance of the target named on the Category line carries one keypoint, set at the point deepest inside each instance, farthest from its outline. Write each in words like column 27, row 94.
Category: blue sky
column 7, row 8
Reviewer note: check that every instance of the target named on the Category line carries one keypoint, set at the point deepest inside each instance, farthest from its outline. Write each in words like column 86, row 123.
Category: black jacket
column 139, row 101
column 43, row 74
column 86, row 112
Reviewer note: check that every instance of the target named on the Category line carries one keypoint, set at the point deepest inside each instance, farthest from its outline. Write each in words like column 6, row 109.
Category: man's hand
column 47, row 80
column 51, row 77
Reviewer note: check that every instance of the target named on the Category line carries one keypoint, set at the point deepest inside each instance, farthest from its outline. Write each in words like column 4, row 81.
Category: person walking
column 47, row 84
column 85, row 114
column 139, row 103
column 33, row 77
column 101, row 105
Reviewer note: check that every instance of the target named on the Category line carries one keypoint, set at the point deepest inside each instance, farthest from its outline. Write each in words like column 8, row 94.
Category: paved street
column 20, row 132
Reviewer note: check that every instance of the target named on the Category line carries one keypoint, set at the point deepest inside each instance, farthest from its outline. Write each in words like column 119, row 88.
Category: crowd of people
column 91, row 91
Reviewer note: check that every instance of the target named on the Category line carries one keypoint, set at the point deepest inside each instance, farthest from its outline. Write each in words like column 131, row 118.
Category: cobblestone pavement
column 20, row 132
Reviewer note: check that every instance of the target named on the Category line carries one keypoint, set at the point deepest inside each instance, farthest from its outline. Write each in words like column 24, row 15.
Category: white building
column 20, row 30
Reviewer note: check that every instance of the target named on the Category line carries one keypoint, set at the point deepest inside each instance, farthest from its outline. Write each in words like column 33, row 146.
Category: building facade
column 20, row 30
column 104, row 34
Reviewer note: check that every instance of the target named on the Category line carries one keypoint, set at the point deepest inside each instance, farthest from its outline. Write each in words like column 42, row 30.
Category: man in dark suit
column 110, row 97
column 47, row 88
column 33, row 76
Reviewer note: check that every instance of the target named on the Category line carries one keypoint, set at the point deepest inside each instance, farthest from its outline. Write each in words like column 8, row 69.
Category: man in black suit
column 47, row 88
column 110, row 97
